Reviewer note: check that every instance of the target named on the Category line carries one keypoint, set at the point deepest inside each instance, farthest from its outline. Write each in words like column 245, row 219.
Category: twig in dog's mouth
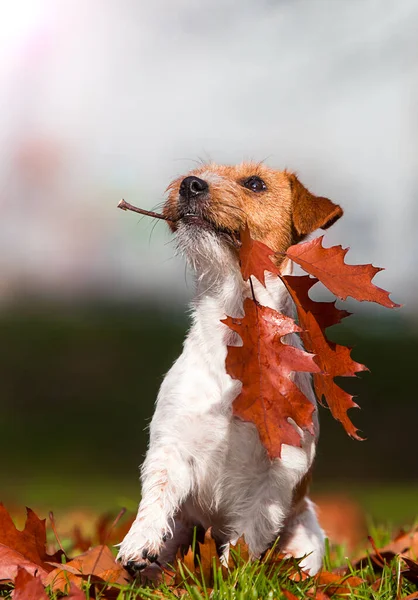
column 231, row 236
column 149, row 213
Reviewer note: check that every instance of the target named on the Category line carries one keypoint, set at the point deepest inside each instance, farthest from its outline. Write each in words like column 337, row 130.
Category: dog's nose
column 191, row 187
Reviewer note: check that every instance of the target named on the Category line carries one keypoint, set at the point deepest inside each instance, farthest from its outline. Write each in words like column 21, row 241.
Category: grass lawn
column 386, row 508
column 255, row 580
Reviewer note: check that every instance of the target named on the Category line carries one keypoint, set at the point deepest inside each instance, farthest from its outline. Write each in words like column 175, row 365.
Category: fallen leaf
column 208, row 558
column 98, row 563
column 405, row 543
column 411, row 572
column 238, row 553
column 188, row 562
column 335, row 584
column 269, row 398
column 24, row 548
column 327, row 264
column 288, row 595
column 28, row 587
column 76, row 593
column 318, row 595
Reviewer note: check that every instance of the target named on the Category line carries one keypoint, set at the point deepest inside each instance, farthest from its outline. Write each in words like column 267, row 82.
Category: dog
column 204, row 466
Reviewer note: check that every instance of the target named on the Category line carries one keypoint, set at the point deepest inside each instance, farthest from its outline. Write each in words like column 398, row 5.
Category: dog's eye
column 255, row 184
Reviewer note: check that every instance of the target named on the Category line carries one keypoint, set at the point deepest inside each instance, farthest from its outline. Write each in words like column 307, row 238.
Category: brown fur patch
column 279, row 216
column 300, row 492
column 311, row 212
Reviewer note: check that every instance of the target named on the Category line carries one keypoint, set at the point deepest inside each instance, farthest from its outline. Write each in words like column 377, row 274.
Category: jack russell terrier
column 205, row 467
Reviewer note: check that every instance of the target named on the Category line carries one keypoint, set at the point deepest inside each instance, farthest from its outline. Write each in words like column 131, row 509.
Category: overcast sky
column 107, row 99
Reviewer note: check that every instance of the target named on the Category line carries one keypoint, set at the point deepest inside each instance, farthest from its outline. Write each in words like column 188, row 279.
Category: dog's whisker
column 152, row 231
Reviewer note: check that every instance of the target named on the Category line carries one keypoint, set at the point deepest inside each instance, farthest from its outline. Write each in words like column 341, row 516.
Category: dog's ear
column 311, row 212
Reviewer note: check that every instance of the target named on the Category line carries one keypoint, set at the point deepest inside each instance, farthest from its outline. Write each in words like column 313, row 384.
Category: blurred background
column 102, row 100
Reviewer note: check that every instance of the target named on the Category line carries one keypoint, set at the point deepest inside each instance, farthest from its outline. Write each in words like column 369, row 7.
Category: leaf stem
column 54, row 529
column 252, row 289
column 149, row 213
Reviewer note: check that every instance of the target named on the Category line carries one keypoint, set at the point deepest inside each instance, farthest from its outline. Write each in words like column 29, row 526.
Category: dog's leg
column 303, row 537
column 182, row 537
column 166, row 482
column 261, row 525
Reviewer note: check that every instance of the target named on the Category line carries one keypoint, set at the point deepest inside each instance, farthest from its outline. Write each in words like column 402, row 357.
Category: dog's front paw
column 138, row 566
column 139, row 550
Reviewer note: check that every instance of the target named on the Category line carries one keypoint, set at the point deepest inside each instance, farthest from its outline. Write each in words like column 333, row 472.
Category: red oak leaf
column 326, row 313
column 28, row 587
column 24, row 548
column 334, row 361
column 269, row 398
column 327, row 264
column 98, row 564
column 255, row 258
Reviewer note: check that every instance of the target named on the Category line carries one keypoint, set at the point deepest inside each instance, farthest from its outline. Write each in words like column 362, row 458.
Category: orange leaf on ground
column 208, row 557
column 335, row 584
column 404, row 543
column 238, row 553
column 98, row 563
column 24, row 548
column 288, row 595
column 187, row 561
column 255, row 258
column 318, row 595
column 75, row 593
column 327, row 264
column 269, row 398
column 28, row 587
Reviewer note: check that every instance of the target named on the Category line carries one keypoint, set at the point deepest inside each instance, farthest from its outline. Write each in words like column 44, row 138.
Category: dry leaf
column 335, row 584
column 288, row 595
column 333, row 362
column 260, row 371
column 98, row 562
column 327, row 264
column 28, row 587
column 76, row 593
column 24, row 548
column 269, row 398
column 255, row 258
column 208, row 556
column 326, row 313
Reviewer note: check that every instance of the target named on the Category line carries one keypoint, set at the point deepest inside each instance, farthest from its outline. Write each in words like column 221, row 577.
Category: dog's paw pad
column 151, row 557
column 134, row 566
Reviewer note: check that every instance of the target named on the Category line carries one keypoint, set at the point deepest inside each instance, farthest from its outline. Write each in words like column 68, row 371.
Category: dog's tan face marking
column 278, row 209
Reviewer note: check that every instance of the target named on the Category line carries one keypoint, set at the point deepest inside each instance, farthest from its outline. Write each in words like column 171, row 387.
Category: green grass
column 257, row 580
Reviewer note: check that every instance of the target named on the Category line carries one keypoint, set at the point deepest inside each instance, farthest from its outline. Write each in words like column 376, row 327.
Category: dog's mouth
column 232, row 237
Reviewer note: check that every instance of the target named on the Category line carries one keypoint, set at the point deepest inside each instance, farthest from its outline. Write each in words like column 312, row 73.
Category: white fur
column 204, row 466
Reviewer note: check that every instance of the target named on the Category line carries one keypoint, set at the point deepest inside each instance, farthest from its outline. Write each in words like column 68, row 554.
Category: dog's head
column 208, row 208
